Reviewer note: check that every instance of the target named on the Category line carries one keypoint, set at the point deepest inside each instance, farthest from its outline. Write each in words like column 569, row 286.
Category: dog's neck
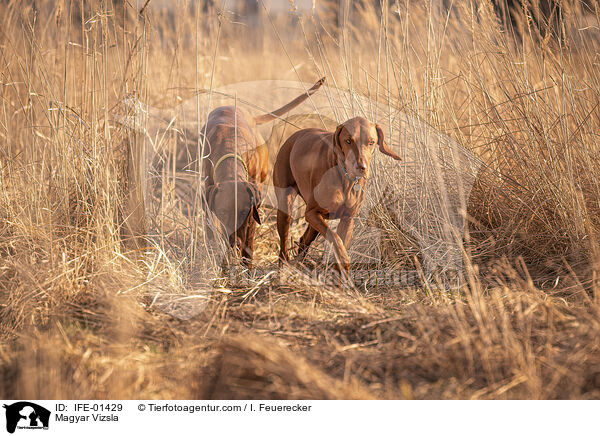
column 231, row 167
column 350, row 184
column 347, row 176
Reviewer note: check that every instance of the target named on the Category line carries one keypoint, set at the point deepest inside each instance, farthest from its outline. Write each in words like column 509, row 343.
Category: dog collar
column 229, row 156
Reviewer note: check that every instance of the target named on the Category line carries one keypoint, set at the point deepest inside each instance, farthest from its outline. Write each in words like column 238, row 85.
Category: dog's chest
column 344, row 202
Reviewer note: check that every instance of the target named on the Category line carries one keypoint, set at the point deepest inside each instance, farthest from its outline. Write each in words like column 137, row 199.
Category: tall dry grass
column 78, row 317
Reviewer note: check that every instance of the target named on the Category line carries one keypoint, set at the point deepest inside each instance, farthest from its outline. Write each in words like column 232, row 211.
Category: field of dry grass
column 79, row 297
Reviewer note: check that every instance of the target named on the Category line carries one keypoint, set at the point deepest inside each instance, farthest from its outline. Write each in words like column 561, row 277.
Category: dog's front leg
column 316, row 220
column 344, row 230
column 248, row 244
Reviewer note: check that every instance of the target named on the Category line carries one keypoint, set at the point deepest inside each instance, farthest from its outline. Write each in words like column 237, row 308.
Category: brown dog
column 329, row 171
column 234, row 181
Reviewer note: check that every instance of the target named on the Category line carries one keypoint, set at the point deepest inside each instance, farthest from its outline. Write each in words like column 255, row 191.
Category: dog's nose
column 361, row 166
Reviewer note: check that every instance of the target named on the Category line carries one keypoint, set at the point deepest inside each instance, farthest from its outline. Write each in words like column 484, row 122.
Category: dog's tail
column 265, row 118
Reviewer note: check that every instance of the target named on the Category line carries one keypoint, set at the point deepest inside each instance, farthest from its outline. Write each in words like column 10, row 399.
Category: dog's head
column 354, row 143
column 234, row 216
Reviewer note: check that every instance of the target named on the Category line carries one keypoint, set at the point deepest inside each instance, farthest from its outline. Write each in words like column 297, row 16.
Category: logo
column 26, row 415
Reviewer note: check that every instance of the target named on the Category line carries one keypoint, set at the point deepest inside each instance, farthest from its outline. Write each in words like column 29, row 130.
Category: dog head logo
column 26, row 415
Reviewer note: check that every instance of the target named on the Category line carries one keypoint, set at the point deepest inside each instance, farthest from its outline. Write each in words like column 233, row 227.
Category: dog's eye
column 348, row 141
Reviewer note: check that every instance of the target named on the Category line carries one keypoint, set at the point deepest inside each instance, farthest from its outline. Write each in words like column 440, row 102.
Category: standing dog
column 329, row 171
column 234, row 181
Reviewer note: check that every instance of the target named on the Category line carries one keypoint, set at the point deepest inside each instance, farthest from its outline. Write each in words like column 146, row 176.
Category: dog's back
column 221, row 127
column 301, row 145
column 226, row 130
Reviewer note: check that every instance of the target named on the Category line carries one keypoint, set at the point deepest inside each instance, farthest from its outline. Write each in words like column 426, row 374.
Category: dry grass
column 80, row 306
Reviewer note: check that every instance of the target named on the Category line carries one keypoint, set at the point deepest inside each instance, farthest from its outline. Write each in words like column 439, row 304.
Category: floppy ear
column 256, row 215
column 383, row 146
column 210, row 193
column 337, row 146
column 255, row 200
